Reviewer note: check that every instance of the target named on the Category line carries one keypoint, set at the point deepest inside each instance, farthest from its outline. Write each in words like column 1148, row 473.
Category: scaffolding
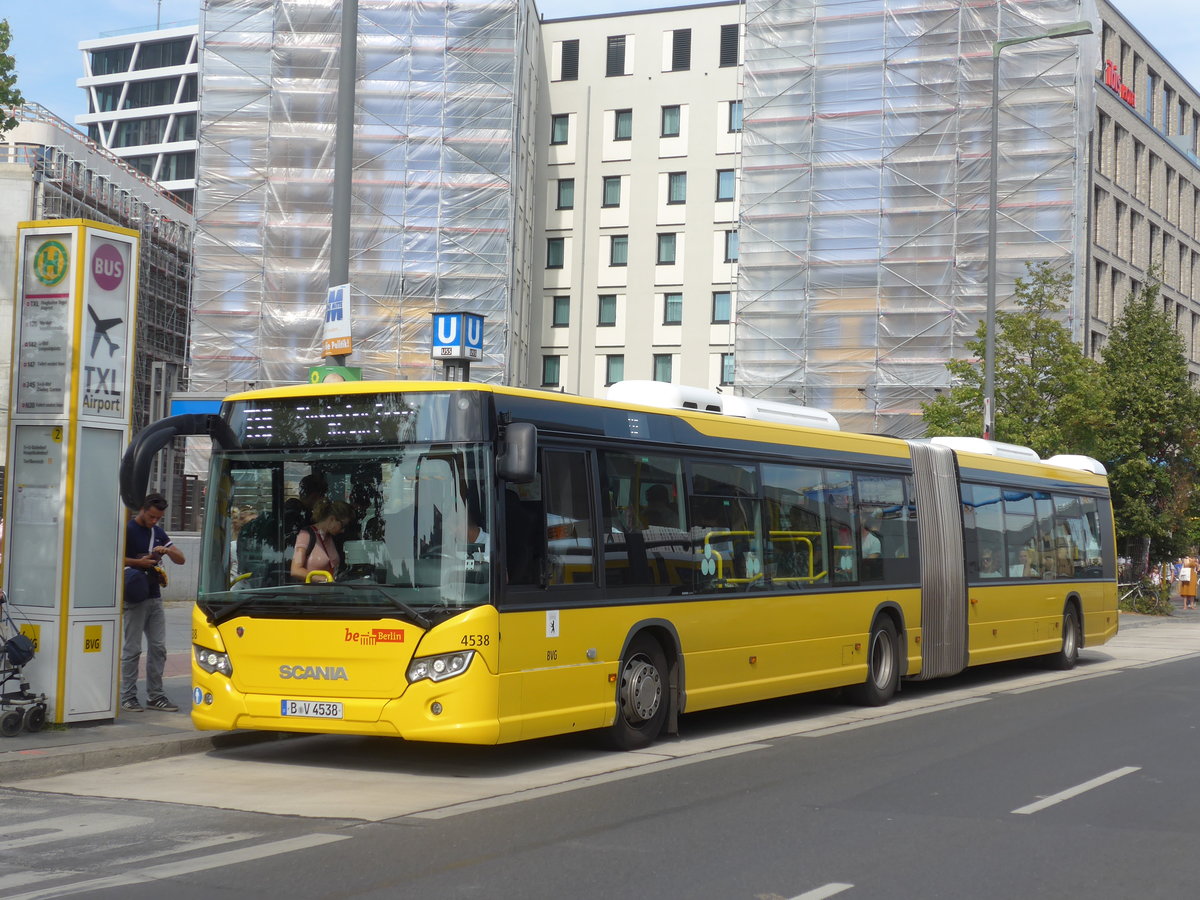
column 865, row 170
column 443, row 174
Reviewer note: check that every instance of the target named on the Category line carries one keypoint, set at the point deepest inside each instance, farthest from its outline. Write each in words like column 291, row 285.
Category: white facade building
column 142, row 102
column 638, row 199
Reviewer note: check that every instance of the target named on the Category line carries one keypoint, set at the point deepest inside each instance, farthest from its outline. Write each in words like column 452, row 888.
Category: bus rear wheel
column 1068, row 654
column 642, row 686
column 883, row 671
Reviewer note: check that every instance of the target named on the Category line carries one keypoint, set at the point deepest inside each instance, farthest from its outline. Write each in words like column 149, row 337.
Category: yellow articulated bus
column 473, row 563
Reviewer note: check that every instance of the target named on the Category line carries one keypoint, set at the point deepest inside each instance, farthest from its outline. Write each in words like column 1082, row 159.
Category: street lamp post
column 1074, row 29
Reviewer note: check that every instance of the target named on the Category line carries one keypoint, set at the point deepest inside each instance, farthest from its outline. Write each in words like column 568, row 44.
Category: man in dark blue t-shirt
column 145, row 546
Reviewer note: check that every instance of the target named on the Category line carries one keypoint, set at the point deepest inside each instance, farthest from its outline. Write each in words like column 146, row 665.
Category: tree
column 10, row 97
column 1046, row 389
column 1150, row 442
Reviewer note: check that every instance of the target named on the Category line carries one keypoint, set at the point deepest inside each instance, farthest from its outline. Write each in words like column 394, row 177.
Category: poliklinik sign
column 1112, row 79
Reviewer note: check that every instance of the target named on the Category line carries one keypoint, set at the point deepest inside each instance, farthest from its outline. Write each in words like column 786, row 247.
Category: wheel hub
column 641, row 690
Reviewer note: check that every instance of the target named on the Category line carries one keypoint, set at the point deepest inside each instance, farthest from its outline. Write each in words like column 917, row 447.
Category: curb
column 22, row 765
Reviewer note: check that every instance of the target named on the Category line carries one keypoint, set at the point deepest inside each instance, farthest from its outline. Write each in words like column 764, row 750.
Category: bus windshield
column 345, row 532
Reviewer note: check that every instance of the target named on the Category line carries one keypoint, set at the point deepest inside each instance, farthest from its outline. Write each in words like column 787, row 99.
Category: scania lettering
column 520, row 564
column 317, row 673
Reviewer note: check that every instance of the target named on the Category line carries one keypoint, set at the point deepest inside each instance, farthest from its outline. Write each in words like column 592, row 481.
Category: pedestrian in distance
column 1187, row 582
column 146, row 543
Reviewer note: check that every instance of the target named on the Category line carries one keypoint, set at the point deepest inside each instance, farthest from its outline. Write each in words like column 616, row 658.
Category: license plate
column 310, row 709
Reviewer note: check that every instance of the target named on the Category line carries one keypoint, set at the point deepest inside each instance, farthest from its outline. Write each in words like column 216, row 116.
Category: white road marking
column 65, row 828
column 184, row 867
column 1075, row 791
column 828, row 890
column 219, row 840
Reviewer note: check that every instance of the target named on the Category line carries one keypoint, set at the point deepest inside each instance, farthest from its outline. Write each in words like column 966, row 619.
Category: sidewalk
column 138, row 737
column 131, row 737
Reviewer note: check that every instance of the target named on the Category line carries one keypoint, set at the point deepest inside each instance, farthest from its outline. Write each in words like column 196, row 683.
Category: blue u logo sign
column 447, row 330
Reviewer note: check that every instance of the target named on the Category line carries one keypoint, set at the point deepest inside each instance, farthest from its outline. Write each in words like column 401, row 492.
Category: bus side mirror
column 517, row 463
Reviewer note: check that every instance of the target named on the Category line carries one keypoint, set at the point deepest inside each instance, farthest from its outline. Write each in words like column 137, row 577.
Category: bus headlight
column 212, row 660
column 441, row 667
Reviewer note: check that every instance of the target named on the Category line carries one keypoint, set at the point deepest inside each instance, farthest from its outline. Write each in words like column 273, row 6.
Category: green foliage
column 1150, row 444
column 10, row 97
column 1136, row 411
column 1046, row 389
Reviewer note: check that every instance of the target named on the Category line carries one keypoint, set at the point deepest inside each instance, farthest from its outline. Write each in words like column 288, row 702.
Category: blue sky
column 46, row 35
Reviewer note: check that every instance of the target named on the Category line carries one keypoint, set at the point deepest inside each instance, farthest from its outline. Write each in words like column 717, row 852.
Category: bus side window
column 797, row 554
column 566, row 487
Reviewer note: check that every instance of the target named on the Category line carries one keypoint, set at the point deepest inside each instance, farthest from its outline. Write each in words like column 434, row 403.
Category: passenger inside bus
column 988, row 567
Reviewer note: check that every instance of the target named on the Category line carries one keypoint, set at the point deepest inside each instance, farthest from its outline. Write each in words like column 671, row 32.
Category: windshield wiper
column 416, row 617
column 216, row 617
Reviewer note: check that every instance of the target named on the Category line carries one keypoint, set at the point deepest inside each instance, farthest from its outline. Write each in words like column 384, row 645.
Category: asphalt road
column 997, row 784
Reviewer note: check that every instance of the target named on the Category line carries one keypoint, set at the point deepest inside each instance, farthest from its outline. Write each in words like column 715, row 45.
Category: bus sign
column 457, row 336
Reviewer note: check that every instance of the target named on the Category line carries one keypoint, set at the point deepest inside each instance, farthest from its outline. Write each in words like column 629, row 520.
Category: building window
column 185, row 127
column 670, row 121
column 162, row 54
column 618, row 250
column 560, row 128
column 555, row 252
column 666, row 250
column 623, row 125
column 662, row 367
column 608, row 311
column 614, row 368
column 735, row 116
column 677, row 187
column 566, row 193
column 612, row 190
column 551, row 369
column 570, row 61
column 731, row 246
column 729, row 45
column 615, row 62
column 681, row 49
column 673, row 309
column 562, row 312
column 726, row 368
column 722, row 307
column 726, row 183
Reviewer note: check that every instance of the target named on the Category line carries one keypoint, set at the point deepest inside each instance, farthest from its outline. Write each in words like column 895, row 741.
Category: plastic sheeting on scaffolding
column 442, row 158
column 865, row 174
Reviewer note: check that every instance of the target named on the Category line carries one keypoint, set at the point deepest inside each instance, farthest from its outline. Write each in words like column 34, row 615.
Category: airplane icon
column 102, row 326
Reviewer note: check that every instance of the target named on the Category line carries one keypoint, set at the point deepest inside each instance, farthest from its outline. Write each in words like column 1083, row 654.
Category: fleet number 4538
column 476, row 640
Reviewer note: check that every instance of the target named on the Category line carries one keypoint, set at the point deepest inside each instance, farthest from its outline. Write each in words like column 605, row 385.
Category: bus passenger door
column 549, row 682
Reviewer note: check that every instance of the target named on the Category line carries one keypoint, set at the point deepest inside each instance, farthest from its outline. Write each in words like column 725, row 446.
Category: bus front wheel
column 883, row 672
column 642, row 700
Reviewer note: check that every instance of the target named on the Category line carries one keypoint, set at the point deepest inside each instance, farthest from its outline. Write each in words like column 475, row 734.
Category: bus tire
column 1068, row 654
column 642, row 695
column 883, row 670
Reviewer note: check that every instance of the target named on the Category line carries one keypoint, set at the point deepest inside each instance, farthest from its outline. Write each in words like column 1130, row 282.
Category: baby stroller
column 18, row 707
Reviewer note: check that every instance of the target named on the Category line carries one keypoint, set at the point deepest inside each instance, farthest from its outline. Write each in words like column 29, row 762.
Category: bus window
column 644, row 539
column 985, row 552
column 837, row 496
column 1044, row 511
column 883, row 529
column 796, row 526
column 566, row 488
column 725, row 527
column 1021, row 535
column 1090, row 538
column 1068, row 536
